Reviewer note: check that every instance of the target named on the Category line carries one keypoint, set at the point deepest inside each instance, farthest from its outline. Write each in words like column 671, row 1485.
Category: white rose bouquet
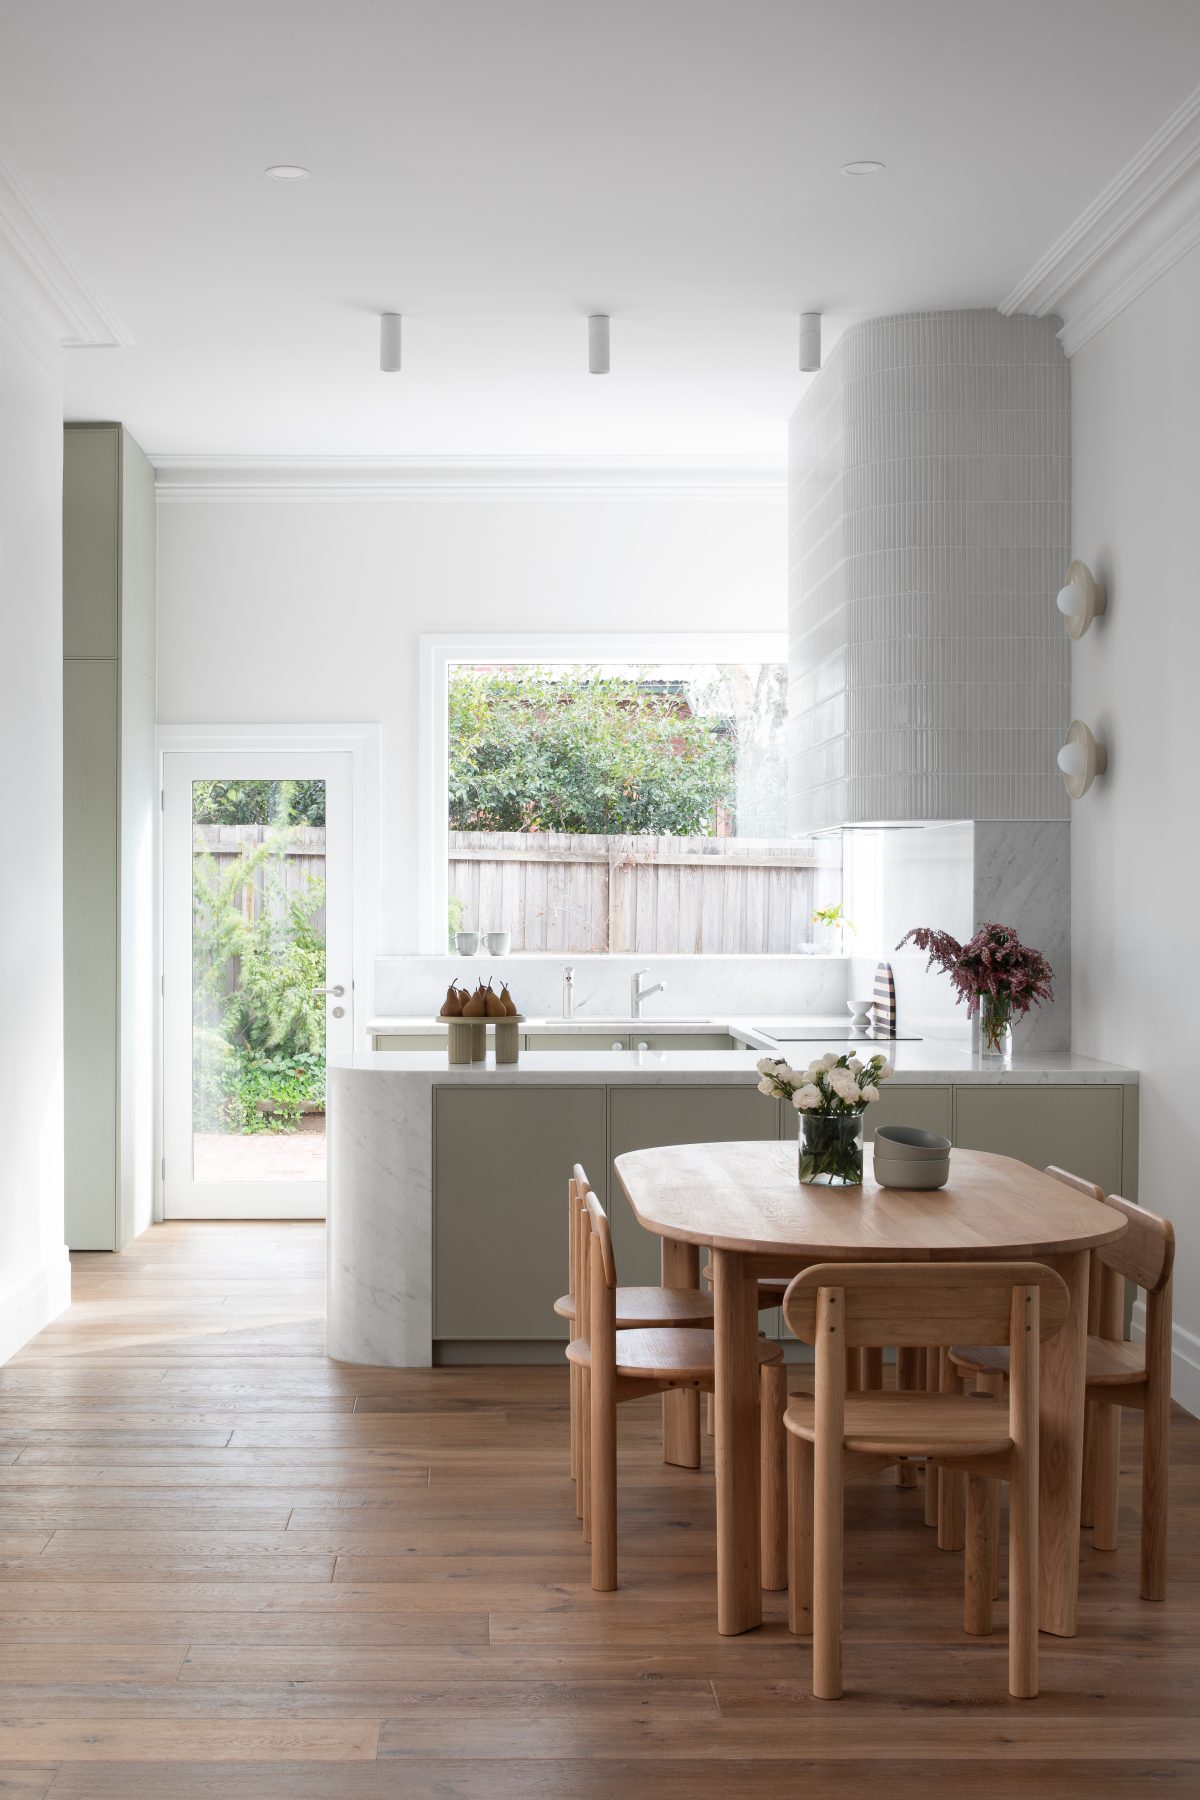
column 830, row 1096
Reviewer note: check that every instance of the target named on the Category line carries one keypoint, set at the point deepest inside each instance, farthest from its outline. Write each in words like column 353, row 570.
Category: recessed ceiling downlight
column 863, row 168
column 287, row 172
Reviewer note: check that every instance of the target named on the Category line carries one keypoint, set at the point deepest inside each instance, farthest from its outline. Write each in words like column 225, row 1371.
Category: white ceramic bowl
column 912, row 1174
column 908, row 1143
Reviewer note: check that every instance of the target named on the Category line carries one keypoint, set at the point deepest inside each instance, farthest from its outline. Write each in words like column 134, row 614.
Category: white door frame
column 362, row 742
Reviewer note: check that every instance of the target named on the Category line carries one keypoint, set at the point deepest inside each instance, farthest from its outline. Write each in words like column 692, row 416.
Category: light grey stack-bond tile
column 929, row 532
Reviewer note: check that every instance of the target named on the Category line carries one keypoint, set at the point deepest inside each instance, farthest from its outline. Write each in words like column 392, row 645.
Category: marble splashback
column 1023, row 879
column 707, row 986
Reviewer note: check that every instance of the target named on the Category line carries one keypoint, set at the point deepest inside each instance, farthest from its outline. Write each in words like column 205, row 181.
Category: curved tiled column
column 930, row 513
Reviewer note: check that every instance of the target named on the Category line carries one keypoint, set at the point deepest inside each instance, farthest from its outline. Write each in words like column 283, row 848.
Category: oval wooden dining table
column 744, row 1202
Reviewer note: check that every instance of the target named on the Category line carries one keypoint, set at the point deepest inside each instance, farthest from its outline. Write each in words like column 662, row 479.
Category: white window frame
column 438, row 651
column 363, row 744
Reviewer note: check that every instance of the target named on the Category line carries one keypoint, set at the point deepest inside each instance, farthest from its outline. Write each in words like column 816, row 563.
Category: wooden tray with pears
column 468, row 1016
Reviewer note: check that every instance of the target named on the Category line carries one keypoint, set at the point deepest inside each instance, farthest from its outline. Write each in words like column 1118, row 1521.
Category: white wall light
column 598, row 344
column 1081, row 599
column 810, row 343
column 389, row 343
column 1081, row 759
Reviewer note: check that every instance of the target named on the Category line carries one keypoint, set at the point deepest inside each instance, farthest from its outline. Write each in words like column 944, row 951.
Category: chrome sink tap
column 638, row 993
column 568, row 1010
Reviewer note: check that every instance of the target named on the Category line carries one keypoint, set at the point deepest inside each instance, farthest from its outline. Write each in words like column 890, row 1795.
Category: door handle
column 337, row 992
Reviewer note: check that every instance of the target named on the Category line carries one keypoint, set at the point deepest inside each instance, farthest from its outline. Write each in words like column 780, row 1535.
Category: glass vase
column 994, row 1026
column 831, row 1149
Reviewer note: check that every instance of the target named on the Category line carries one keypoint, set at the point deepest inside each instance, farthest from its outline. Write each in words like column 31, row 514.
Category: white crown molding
column 1143, row 222
column 193, row 478
column 44, row 295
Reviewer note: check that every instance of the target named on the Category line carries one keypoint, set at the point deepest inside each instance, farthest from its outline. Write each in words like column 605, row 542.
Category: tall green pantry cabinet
column 109, row 705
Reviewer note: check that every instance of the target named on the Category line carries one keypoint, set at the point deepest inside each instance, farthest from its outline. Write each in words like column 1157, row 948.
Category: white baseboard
column 28, row 1305
column 1185, row 1359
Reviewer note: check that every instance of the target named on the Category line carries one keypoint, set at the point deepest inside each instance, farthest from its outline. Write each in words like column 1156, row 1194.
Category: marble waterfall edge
column 379, row 1284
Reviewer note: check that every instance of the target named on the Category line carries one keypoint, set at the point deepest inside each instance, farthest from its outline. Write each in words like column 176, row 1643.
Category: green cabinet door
column 929, row 1108
column 681, row 1040
column 1078, row 1128
column 90, row 540
column 576, row 1040
column 502, row 1161
column 642, row 1118
column 90, row 927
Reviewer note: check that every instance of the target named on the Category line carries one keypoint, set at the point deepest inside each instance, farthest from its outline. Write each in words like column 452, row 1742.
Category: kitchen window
column 626, row 796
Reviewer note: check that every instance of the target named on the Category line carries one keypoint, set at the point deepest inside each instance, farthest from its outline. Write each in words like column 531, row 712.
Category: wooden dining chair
column 635, row 1307
column 945, row 1494
column 625, row 1365
column 1120, row 1374
column 840, row 1306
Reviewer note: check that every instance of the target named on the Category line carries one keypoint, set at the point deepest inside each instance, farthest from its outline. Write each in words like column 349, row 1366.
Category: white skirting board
column 1185, row 1359
column 29, row 1304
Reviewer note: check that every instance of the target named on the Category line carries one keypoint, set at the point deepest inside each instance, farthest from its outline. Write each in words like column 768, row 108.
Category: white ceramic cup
column 498, row 942
column 467, row 942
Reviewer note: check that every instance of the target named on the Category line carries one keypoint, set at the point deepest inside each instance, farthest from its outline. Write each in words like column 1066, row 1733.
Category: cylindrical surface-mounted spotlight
column 389, row 343
column 810, row 343
column 598, row 344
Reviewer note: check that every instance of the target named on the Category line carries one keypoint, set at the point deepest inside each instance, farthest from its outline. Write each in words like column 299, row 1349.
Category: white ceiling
column 496, row 169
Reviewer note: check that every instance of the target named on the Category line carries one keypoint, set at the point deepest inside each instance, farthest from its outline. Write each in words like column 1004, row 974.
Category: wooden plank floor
column 231, row 1568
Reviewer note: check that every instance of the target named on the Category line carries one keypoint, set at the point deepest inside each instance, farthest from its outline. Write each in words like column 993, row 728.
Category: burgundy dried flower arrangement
column 995, row 973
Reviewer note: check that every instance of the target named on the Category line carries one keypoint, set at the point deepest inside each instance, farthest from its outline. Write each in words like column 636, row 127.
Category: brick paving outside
column 263, row 1156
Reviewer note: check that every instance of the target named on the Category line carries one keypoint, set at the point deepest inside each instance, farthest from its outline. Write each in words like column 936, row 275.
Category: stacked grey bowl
column 907, row 1157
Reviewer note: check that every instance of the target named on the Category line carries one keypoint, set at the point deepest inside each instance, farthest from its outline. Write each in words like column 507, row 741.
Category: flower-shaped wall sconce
column 1081, row 759
column 1080, row 599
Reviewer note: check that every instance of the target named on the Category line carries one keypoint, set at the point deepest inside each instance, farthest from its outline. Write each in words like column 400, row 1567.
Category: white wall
column 34, row 1272
column 1134, row 843
column 280, row 610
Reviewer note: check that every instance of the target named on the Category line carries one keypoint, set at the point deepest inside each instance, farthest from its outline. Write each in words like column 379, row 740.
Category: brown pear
column 464, row 994
column 509, row 1004
column 476, row 1006
column 496, row 1008
column 452, row 1004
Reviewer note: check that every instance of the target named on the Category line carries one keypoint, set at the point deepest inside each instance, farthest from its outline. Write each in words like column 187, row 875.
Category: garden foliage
column 602, row 753
column 258, row 960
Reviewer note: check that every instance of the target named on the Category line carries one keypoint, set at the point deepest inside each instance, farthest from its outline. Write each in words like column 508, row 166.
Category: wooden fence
column 302, row 855
column 649, row 895
column 555, row 891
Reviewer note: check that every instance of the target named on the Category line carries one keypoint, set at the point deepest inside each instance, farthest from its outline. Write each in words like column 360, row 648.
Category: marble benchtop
column 918, row 1060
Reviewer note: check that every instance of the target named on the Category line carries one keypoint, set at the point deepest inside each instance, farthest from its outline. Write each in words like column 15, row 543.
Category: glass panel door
column 257, row 980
